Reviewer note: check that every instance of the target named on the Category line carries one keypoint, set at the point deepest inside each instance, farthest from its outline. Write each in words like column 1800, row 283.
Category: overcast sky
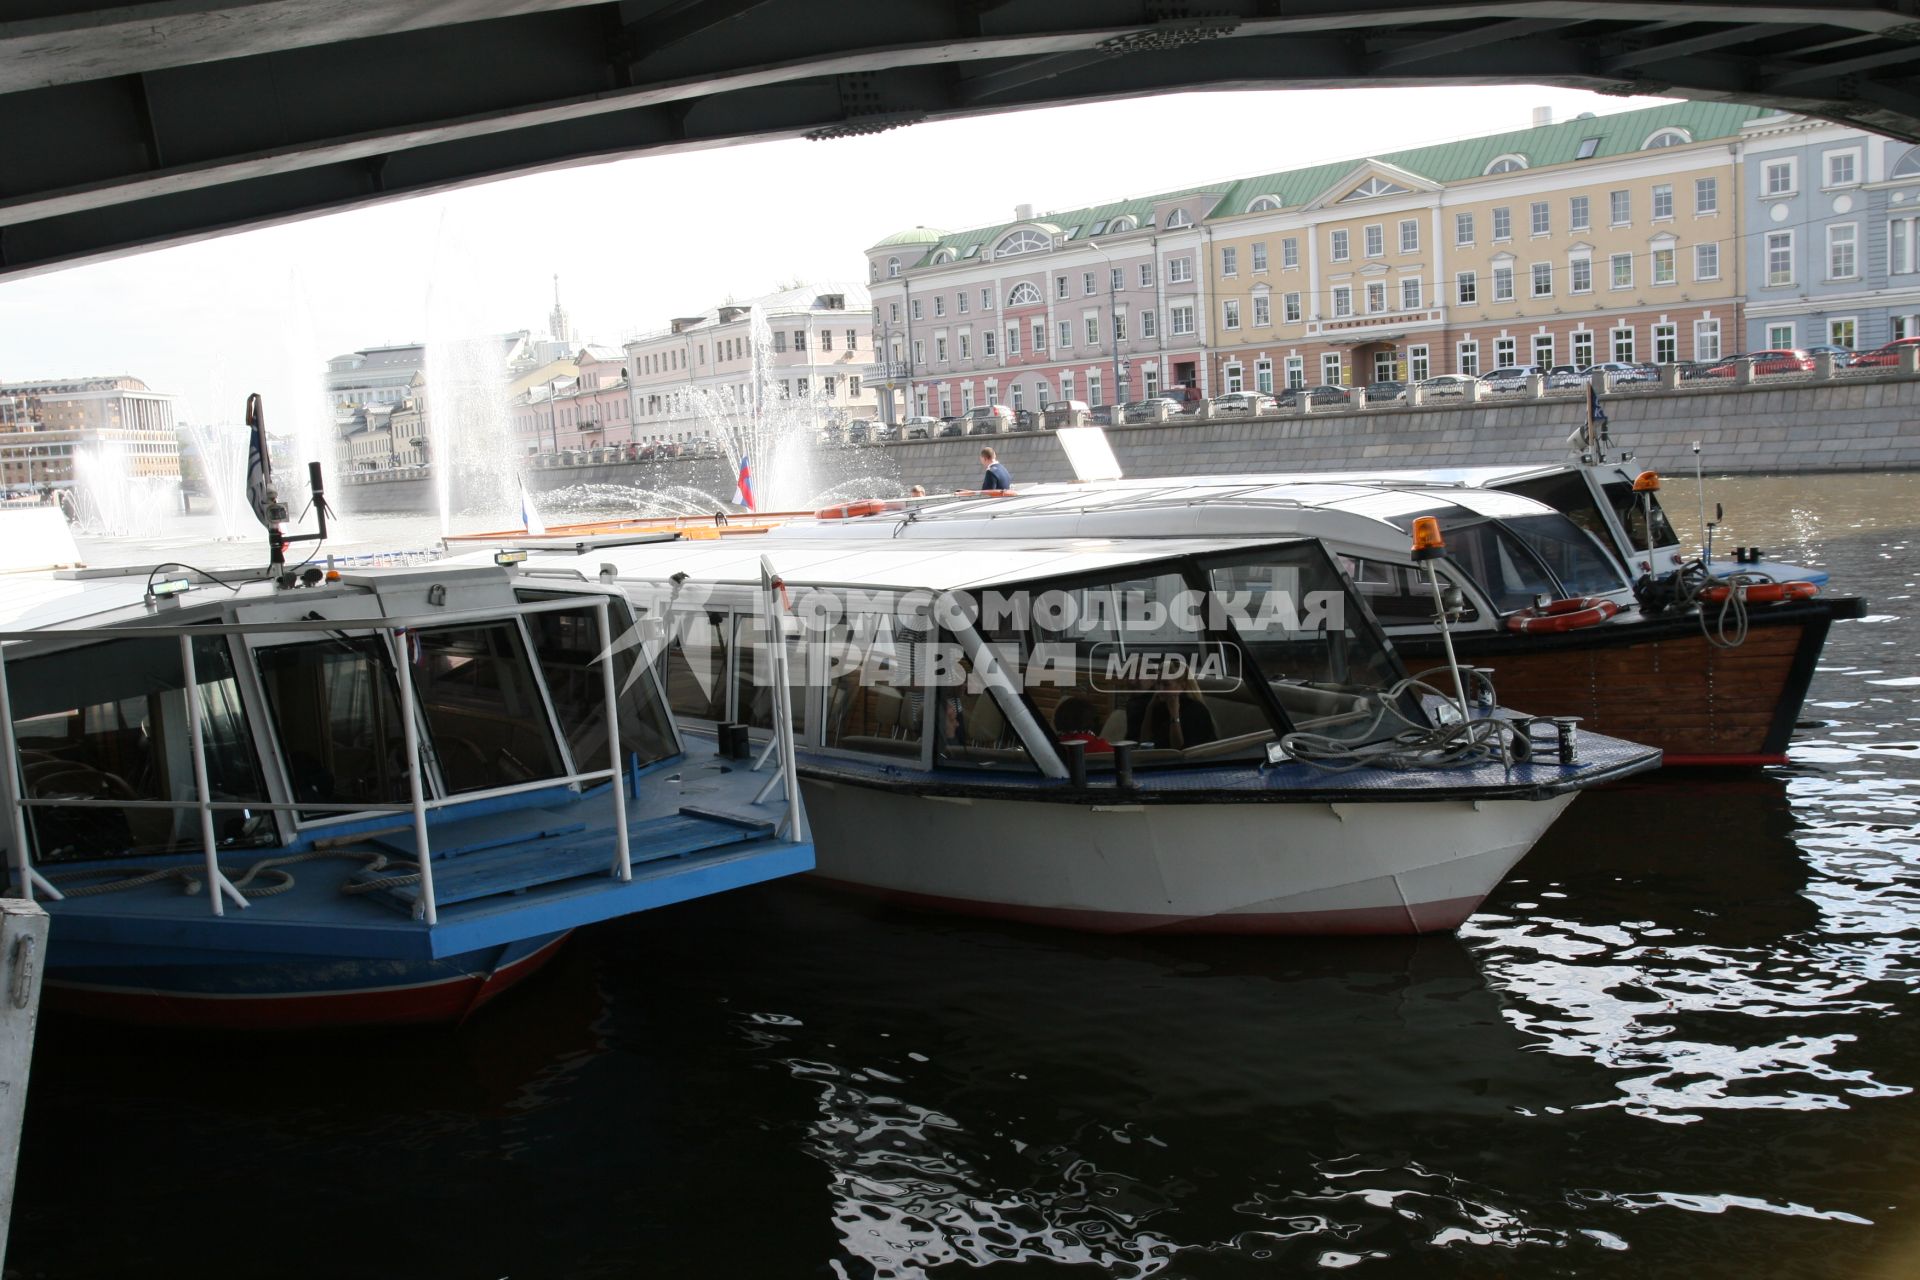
column 637, row 241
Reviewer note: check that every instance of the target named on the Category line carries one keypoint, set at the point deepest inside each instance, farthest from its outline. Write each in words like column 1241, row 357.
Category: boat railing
column 219, row 889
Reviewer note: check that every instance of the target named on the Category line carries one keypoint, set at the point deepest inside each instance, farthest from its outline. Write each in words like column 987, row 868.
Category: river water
column 1681, row 1040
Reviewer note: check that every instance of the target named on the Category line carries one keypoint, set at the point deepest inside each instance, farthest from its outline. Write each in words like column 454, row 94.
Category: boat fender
column 1570, row 614
column 853, row 510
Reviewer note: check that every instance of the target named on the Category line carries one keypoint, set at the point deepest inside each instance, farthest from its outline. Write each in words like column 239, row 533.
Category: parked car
column 1511, row 377
column 1447, row 384
column 1842, row 356
column 1887, row 357
column 989, row 420
column 1564, row 375
column 1386, row 391
column 1157, row 409
column 919, row 427
column 1025, row 420
column 1065, row 413
column 1244, row 402
column 1773, row 360
column 1617, row 371
column 858, row 432
column 952, row 425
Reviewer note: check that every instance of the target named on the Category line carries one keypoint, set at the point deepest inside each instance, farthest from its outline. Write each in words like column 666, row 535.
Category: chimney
column 1023, row 213
column 1542, row 116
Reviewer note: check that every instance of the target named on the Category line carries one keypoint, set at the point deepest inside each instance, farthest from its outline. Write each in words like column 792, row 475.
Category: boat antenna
column 1700, row 492
column 1429, row 546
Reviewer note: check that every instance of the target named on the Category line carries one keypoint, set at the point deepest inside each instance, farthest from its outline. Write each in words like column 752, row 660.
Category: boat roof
column 1361, row 515
column 872, row 556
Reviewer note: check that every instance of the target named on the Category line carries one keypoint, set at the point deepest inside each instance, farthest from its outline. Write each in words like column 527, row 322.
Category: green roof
column 914, row 235
column 1554, row 144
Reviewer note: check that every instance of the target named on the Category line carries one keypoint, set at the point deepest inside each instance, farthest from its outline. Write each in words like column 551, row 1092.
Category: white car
column 1447, row 384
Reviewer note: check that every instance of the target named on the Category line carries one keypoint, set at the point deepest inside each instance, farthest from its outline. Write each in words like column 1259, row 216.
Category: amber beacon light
column 1647, row 482
column 1427, row 542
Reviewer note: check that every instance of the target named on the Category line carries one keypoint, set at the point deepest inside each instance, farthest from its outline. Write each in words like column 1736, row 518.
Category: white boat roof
column 1368, row 517
column 874, row 557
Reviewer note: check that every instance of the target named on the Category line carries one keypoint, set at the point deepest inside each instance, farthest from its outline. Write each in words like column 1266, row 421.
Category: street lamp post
column 1113, row 334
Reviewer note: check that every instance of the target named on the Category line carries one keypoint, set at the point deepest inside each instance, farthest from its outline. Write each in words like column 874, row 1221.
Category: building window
column 966, row 346
column 1580, row 275
column 893, row 268
column 1289, row 253
column 1039, row 336
column 1666, row 343
column 1263, row 376
column 1262, row 311
column 966, row 397
column 1706, row 195
column 1503, row 284
column 1663, row 268
column 1842, row 331
column 831, row 384
column 986, row 299
column 1296, row 372
column 1543, row 350
column 1507, row 164
column 919, row 351
column 1502, row 224
column 960, row 302
column 1780, row 336
column 1582, row 348
column 1066, row 386
column 1466, row 358
column 1019, row 394
column 1119, row 326
column 1330, row 369
column 987, row 340
column 1542, row 280
column 1409, row 236
column 1622, row 265
column 1337, row 246
column 1260, row 255
column 1376, row 241
column 1229, row 261
column 939, row 348
column 1506, row 352
column 1623, row 344
column 1667, row 138
column 1579, row 213
column 1417, row 364
column 1066, row 336
column 1115, row 280
column 1342, row 300
column 779, row 341
column 939, row 309
column 1706, row 261
column 1146, row 275
column 1376, row 297
column 1843, row 170
column 1180, row 270
column 1841, row 263
column 1410, row 293
column 1620, row 207
column 893, row 313
column 853, row 338
column 1290, row 308
column 1022, row 241
column 1013, row 340
column 1059, row 286
column 1182, row 319
column 1466, row 286
column 1093, row 330
column 1706, row 339
column 1150, row 383
column 1462, row 228
column 1179, row 218
column 1663, row 201
column 1024, row 294
column 1901, row 242
column 1234, row 377
column 1779, row 258
column 1149, row 324
column 1776, row 178
column 1541, row 221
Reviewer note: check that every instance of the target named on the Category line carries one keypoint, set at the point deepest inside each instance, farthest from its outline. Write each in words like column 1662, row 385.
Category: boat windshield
column 1628, row 507
column 1498, row 561
column 1570, row 553
column 108, row 722
column 567, row 643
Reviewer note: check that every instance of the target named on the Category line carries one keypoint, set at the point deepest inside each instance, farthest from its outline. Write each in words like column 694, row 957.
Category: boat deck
column 544, row 866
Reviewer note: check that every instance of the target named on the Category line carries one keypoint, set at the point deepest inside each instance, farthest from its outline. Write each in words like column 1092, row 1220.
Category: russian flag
column 743, row 488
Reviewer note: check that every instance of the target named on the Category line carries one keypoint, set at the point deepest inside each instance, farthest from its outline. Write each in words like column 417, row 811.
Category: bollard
column 1076, row 762
column 1569, row 749
column 1123, row 765
column 23, row 951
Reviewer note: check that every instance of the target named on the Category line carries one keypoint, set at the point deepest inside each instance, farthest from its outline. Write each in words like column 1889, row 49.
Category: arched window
column 1908, row 165
column 943, row 257
column 1262, row 204
column 1179, row 218
column 893, row 267
column 1022, row 241
column 1023, row 295
column 1666, row 138
column 1122, row 223
column 1512, row 162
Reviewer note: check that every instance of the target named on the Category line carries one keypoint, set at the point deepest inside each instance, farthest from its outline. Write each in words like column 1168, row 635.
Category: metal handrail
column 219, row 888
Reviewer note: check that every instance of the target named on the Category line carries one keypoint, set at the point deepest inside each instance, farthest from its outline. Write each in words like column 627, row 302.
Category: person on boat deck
column 1170, row 714
column 918, row 491
column 1076, row 719
column 997, row 477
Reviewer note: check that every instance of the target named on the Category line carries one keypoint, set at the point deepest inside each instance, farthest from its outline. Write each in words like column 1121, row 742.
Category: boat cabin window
column 567, row 642
column 483, row 707
column 109, row 722
column 1398, row 594
column 1325, row 661
column 1567, row 492
column 1633, row 516
column 753, row 676
column 1570, row 554
column 873, row 703
column 970, row 731
column 1506, row 571
column 337, row 713
column 694, row 666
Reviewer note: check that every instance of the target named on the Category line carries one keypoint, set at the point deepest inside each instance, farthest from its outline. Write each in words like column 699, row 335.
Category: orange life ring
column 850, row 510
column 1556, row 616
column 983, row 493
column 1762, row 592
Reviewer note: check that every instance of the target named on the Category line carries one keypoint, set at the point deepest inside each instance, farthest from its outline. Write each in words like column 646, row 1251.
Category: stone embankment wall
column 1856, row 424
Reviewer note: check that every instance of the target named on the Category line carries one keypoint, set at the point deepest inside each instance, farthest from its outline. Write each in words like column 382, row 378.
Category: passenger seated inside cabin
column 1170, row 714
column 1076, row 719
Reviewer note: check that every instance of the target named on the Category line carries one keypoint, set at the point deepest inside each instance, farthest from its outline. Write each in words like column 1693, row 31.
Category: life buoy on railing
column 1556, row 616
column 851, row 510
column 983, row 493
column 1761, row 592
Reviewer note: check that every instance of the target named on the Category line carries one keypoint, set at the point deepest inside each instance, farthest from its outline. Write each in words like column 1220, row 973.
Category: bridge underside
column 139, row 124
